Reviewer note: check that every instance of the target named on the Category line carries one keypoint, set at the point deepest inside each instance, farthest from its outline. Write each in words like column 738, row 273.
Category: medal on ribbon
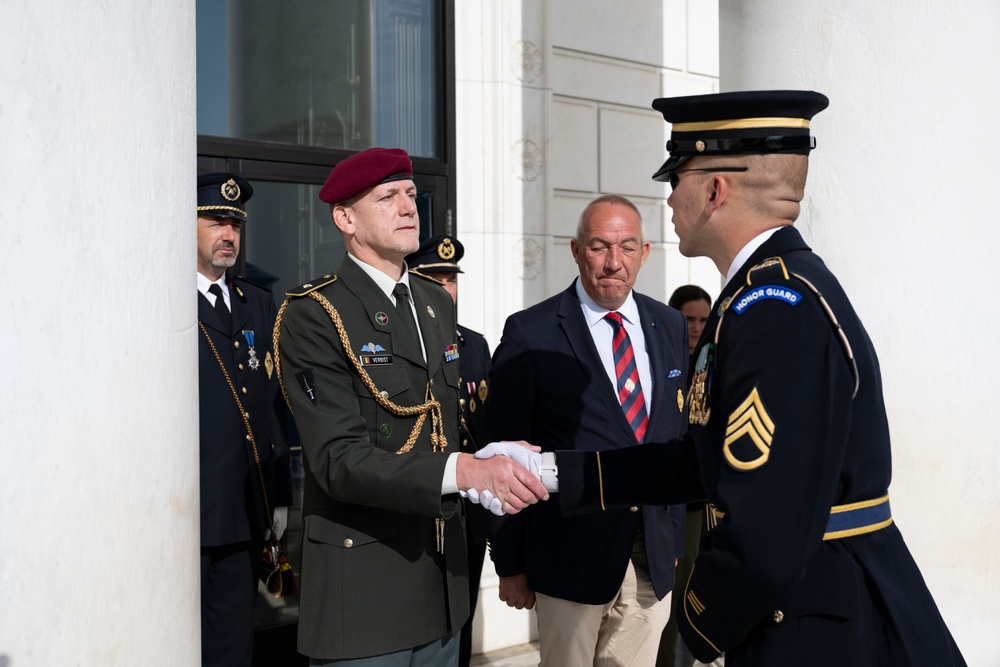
column 254, row 361
column 701, row 386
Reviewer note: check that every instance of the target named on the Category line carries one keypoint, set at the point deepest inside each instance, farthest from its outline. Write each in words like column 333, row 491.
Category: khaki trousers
column 625, row 632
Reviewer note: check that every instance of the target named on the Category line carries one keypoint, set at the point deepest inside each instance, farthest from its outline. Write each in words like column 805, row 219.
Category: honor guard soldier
column 242, row 421
column 803, row 564
column 438, row 257
column 369, row 362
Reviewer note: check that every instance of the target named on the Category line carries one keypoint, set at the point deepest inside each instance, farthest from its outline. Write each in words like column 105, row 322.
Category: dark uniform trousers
column 475, row 366
column 793, row 427
column 233, row 518
column 374, row 580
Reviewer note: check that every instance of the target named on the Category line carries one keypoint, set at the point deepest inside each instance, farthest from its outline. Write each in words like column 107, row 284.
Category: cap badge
column 230, row 191
column 699, row 146
column 446, row 250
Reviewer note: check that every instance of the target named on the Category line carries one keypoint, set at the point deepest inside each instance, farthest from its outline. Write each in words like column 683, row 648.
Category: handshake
column 511, row 476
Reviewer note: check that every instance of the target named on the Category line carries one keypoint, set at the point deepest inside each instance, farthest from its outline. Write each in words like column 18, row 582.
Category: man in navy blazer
column 566, row 377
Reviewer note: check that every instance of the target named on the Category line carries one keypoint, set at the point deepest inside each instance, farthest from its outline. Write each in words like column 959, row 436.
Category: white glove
column 280, row 523
column 527, row 458
column 486, row 499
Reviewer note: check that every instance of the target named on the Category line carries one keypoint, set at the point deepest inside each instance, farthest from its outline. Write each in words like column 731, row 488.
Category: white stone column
column 98, row 422
column 901, row 205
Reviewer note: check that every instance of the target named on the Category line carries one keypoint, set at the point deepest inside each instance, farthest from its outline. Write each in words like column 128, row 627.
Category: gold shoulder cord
column 438, row 439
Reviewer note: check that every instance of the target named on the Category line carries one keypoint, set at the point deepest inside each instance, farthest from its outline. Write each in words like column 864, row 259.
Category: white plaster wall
column 900, row 205
column 553, row 109
column 98, row 422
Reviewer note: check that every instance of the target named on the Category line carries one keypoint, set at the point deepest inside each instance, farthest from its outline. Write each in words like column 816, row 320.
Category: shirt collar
column 750, row 248
column 594, row 313
column 204, row 283
column 384, row 282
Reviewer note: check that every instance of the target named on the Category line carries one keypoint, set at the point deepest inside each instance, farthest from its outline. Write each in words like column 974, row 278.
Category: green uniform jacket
column 372, row 579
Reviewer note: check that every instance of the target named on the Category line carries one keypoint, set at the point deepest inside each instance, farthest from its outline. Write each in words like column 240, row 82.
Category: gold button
column 431, row 382
column 248, row 436
column 465, row 443
column 236, row 344
column 244, row 390
column 247, row 415
column 240, row 366
column 348, row 542
column 461, row 402
column 779, row 616
column 384, row 393
column 633, row 509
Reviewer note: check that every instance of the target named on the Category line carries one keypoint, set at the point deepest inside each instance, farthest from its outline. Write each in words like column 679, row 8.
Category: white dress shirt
column 203, row 285
column 603, row 333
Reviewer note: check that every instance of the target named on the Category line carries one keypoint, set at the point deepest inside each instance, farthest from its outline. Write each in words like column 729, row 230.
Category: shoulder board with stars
column 312, row 285
column 414, row 272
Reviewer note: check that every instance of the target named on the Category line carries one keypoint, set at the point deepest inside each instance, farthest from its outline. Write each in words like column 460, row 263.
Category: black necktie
column 220, row 307
column 402, row 295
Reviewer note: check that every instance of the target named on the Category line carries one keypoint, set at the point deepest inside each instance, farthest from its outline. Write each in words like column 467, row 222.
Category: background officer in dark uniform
column 237, row 317
column 803, row 564
column 438, row 257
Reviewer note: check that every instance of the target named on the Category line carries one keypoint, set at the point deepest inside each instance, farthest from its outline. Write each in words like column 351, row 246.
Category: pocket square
column 674, row 373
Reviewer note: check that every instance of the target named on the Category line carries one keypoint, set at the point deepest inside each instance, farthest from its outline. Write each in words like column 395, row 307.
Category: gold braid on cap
column 438, row 439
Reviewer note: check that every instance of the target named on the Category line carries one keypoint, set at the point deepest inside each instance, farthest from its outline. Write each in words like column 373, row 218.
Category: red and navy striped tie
column 629, row 388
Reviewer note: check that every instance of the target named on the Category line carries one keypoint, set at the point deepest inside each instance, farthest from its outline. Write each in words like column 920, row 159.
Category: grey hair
column 614, row 200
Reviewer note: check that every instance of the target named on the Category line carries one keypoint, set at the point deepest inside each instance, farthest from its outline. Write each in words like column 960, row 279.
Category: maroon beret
column 364, row 170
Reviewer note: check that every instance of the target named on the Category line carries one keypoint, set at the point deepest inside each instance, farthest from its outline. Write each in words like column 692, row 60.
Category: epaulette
column 314, row 284
column 414, row 272
column 473, row 331
column 771, row 279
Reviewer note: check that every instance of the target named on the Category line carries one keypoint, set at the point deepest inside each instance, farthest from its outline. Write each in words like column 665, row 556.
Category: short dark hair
column 687, row 293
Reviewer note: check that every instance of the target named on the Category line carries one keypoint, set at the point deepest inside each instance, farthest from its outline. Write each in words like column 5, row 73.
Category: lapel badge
column 381, row 318
column 446, row 250
column 430, row 311
column 230, row 191
column 680, row 400
column 254, row 361
column 268, row 365
column 482, row 391
column 451, row 352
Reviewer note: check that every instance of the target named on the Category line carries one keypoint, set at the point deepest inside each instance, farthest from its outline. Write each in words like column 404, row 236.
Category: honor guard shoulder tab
column 414, row 272
column 312, row 285
column 771, row 279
